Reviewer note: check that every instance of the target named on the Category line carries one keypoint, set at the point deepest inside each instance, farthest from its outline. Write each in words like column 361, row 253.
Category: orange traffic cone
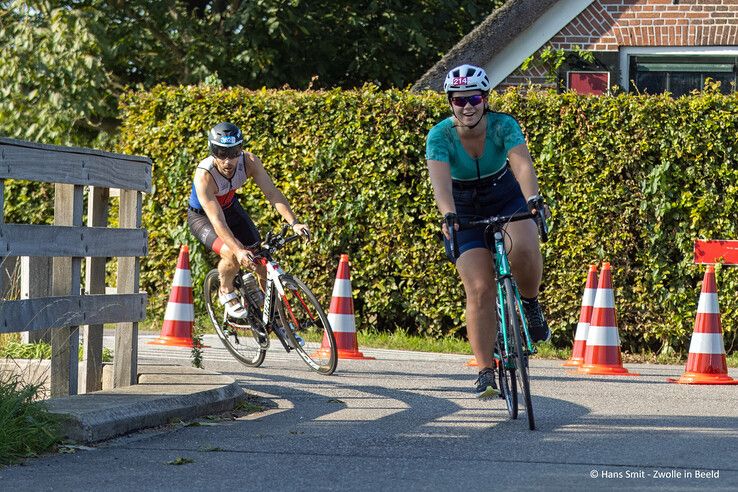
column 585, row 316
column 341, row 315
column 706, row 363
column 602, row 353
column 180, row 314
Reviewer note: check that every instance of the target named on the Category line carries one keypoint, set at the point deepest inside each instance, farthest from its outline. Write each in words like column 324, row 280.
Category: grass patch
column 546, row 350
column 402, row 340
column 26, row 427
column 733, row 360
column 39, row 350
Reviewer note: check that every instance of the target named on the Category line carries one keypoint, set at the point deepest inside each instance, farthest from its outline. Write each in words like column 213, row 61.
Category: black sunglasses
column 461, row 101
column 227, row 152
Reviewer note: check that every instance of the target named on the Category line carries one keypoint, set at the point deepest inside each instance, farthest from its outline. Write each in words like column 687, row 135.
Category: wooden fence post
column 68, row 204
column 125, row 369
column 2, row 220
column 97, row 216
column 35, row 282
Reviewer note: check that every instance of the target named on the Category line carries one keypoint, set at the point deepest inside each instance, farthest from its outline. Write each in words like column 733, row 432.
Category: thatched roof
column 486, row 40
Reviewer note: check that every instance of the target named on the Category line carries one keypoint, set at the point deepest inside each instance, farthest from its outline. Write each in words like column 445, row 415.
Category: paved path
column 410, row 421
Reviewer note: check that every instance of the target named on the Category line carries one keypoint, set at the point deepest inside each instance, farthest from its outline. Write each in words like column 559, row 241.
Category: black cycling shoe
column 537, row 326
column 486, row 384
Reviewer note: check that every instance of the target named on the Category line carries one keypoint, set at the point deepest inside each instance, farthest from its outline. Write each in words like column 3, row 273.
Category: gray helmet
column 466, row 78
column 224, row 135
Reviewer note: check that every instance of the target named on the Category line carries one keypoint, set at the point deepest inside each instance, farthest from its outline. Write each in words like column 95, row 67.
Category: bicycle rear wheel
column 508, row 386
column 300, row 312
column 521, row 359
column 238, row 336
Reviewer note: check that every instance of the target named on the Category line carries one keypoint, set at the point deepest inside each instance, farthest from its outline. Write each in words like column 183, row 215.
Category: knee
column 228, row 259
column 526, row 252
column 480, row 293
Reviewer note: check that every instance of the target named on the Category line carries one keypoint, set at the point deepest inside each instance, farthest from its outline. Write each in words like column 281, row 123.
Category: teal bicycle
column 513, row 346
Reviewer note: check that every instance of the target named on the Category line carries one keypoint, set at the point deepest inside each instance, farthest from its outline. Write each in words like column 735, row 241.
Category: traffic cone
column 706, row 362
column 180, row 314
column 341, row 316
column 602, row 352
column 585, row 316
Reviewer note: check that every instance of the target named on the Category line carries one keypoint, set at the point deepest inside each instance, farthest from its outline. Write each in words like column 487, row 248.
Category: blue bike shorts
column 498, row 194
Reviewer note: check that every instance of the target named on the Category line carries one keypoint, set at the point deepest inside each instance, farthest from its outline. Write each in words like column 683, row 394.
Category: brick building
column 646, row 45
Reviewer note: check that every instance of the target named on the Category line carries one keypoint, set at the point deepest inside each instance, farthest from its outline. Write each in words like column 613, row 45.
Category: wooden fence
column 67, row 242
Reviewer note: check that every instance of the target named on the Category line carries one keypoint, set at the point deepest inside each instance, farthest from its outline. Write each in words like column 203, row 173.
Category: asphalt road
column 410, row 421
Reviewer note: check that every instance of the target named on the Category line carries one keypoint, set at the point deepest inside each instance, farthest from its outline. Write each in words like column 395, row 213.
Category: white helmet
column 466, row 78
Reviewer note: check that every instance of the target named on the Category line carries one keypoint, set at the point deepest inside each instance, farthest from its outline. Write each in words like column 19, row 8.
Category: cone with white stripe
column 180, row 314
column 602, row 352
column 706, row 363
column 585, row 316
column 341, row 315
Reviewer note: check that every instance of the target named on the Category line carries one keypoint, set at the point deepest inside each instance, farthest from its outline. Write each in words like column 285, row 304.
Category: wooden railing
column 68, row 241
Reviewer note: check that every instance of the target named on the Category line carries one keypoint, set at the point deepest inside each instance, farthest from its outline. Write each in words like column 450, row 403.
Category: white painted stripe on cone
column 182, row 278
column 342, row 288
column 177, row 311
column 604, row 299
column 582, row 329
column 708, row 303
column 707, row 343
column 342, row 323
column 603, row 336
column 589, row 297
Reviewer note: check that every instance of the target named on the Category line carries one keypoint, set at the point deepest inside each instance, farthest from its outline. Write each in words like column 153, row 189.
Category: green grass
column 26, row 427
column 402, row 340
column 39, row 350
column 733, row 360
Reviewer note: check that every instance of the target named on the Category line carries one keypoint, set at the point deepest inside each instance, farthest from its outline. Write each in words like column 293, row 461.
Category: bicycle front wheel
column 301, row 314
column 238, row 338
column 508, row 386
column 521, row 358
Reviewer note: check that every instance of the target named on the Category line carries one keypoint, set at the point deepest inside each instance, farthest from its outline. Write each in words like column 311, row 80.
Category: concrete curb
column 163, row 393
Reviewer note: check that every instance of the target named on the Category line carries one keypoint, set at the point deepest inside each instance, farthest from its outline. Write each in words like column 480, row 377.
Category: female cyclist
column 479, row 165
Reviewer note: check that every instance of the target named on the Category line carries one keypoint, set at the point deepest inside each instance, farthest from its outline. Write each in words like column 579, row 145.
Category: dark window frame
column 668, row 71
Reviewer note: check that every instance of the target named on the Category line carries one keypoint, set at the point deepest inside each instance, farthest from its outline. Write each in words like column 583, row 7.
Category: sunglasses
column 461, row 101
column 227, row 152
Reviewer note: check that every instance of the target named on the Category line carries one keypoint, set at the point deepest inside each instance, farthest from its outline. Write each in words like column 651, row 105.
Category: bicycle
column 289, row 308
column 510, row 352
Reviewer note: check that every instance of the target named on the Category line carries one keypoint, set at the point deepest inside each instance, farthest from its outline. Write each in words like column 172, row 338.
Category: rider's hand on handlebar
column 245, row 257
column 449, row 218
column 302, row 230
column 535, row 203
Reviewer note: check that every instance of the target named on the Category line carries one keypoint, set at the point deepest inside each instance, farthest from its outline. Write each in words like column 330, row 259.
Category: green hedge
column 631, row 179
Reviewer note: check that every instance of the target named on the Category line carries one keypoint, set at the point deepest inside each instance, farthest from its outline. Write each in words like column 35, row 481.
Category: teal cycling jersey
column 443, row 144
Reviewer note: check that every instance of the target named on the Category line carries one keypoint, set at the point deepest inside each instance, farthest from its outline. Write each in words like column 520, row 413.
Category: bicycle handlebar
column 274, row 241
column 499, row 221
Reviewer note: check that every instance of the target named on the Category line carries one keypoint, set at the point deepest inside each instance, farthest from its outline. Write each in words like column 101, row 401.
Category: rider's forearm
column 284, row 209
column 521, row 165
column 528, row 181
column 440, row 177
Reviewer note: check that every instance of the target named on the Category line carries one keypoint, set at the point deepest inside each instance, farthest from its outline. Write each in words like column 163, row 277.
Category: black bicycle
column 513, row 345
column 287, row 308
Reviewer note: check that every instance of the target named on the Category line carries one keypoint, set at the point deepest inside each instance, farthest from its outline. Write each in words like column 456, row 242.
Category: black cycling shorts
column 236, row 218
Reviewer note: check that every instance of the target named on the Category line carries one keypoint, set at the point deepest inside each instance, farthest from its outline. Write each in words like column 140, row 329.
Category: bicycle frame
column 502, row 268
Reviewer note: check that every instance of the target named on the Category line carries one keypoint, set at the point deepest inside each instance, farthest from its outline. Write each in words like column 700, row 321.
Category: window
column 680, row 75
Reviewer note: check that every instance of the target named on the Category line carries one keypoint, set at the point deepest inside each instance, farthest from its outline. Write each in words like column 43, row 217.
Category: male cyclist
column 480, row 166
column 216, row 217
